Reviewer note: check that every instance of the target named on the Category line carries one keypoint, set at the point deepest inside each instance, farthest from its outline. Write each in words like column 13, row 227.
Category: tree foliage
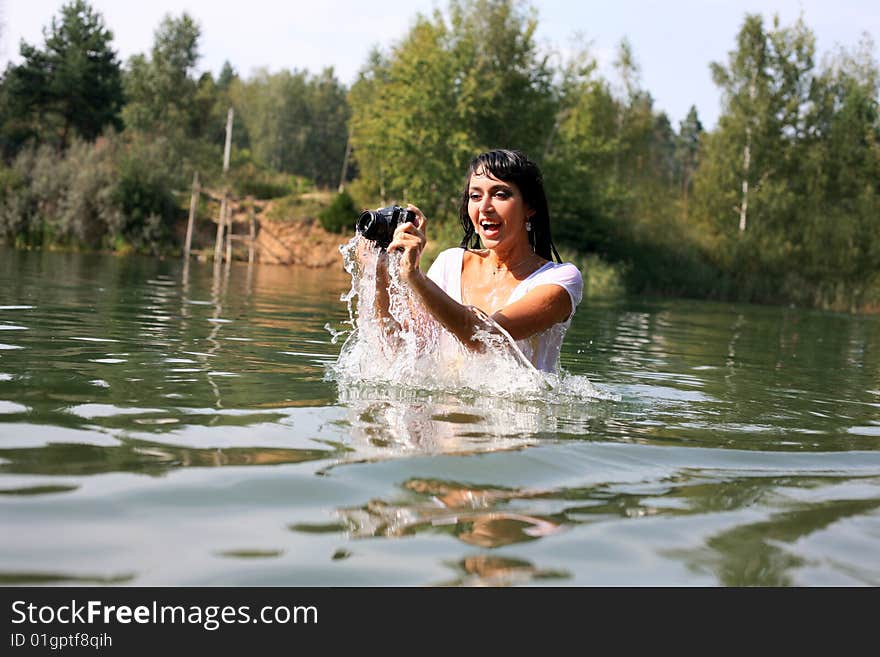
column 160, row 89
column 295, row 122
column 787, row 189
column 454, row 85
column 71, row 87
column 779, row 202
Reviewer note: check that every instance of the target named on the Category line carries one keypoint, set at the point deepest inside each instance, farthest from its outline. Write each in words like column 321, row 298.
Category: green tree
column 749, row 187
column 227, row 76
column 328, row 130
column 72, row 87
column 839, row 263
column 687, row 153
column 183, row 115
column 451, row 87
column 503, row 83
column 295, row 122
column 787, row 187
column 161, row 90
column 611, row 172
column 581, row 159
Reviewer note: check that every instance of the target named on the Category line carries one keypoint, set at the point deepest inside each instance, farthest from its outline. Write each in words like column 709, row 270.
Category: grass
column 298, row 207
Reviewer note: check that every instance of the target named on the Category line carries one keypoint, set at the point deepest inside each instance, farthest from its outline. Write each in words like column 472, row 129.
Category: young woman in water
column 504, row 266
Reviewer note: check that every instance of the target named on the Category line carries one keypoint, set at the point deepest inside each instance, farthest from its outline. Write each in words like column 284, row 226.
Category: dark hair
column 512, row 167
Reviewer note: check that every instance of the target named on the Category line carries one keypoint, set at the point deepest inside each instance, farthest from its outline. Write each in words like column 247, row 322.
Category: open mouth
column 490, row 229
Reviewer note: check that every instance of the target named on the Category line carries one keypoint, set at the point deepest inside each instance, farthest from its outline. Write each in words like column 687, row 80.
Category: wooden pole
column 228, row 229
column 253, row 226
column 228, row 147
column 193, row 204
column 344, row 164
column 224, row 206
column 221, row 222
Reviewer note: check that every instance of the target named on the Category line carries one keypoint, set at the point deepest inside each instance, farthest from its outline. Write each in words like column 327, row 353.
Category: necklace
column 511, row 268
column 465, row 297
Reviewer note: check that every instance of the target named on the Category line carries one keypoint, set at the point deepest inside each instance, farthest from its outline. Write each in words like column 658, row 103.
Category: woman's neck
column 512, row 261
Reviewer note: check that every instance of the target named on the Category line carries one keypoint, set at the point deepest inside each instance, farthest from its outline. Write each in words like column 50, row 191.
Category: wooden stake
column 221, row 223
column 344, row 164
column 228, row 146
column 253, row 226
column 228, row 230
column 193, row 204
column 224, row 206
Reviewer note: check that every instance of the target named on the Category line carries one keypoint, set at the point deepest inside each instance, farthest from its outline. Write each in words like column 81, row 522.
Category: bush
column 297, row 207
column 602, row 279
column 94, row 195
column 16, row 201
column 340, row 215
column 147, row 207
column 32, row 188
column 250, row 179
column 87, row 210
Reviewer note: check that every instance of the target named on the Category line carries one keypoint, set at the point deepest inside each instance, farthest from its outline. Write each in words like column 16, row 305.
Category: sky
column 674, row 40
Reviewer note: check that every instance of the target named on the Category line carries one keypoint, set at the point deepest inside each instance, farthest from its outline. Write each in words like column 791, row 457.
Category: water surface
column 162, row 429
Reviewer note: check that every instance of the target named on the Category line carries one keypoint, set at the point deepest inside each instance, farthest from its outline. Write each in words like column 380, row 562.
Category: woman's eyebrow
column 492, row 188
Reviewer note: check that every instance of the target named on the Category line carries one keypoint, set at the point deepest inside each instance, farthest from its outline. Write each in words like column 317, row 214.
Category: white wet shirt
column 542, row 349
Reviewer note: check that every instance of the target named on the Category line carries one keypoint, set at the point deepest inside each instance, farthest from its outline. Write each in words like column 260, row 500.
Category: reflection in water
column 387, row 422
column 38, row 490
column 493, row 570
column 752, row 553
column 50, row 579
column 251, row 554
column 764, row 553
column 744, row 450
column 475, row 516
column 139, row 456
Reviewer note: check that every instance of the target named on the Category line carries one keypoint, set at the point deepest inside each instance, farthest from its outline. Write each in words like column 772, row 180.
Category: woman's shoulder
column 446, row 259
column 453, row 254
column 564, row 274
column 563, row 271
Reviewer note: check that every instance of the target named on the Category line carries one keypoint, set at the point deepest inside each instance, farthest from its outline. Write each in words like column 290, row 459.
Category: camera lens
column 378, row 225
column 365, row 223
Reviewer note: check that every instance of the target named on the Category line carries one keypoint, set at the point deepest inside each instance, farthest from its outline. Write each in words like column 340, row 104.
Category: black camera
column 378, row 225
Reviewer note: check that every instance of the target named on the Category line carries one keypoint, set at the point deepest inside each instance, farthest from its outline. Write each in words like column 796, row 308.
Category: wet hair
column 512, row 167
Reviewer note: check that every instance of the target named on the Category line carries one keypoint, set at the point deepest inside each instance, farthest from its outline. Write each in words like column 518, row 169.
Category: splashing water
column 414, row 351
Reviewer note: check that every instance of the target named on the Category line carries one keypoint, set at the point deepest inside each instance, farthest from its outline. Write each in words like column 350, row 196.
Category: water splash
column 411, row 350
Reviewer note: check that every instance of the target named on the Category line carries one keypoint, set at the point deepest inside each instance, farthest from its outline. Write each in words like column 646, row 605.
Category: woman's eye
column 475, row 197
column 502, row 194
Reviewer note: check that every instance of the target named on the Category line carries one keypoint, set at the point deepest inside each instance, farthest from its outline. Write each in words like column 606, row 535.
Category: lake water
column 162, row 429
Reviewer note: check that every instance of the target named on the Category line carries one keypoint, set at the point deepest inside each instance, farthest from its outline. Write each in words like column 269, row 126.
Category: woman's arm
column 458, row 319
column 410, row 240
column 381, row 299
column 540, row 309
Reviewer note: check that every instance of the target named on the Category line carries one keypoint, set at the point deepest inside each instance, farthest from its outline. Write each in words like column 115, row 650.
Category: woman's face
column 497, row 210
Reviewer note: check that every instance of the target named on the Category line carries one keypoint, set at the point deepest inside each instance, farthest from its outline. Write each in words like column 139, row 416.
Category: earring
column 528, row 226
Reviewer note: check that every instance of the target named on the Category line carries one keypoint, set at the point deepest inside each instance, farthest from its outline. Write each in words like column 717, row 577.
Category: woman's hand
column 410, row 238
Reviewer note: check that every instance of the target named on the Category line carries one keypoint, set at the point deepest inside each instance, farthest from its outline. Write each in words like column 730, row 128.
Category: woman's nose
column 486, row 204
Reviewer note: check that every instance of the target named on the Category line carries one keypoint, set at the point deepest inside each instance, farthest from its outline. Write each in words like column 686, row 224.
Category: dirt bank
column 301, row 242
column 297, row 239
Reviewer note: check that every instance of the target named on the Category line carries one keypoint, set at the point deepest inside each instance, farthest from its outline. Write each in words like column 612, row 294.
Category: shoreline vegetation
column 778, row 204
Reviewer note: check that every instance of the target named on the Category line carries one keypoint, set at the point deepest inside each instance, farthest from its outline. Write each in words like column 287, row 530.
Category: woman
column 512, row 278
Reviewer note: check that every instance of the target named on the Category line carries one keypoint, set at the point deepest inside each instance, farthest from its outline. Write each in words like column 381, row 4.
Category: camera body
column 378, row 225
